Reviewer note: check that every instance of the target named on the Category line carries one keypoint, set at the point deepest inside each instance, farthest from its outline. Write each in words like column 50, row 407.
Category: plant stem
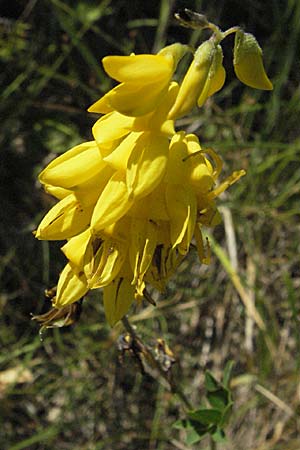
column 153, row 362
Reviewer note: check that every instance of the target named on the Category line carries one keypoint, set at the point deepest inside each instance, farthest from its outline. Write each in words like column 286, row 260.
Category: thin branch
column 152, row 361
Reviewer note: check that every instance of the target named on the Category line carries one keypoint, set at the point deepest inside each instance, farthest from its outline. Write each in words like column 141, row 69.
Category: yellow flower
column 77, row 178
column 189, row 173
column 95, row 262
column 99, row 181
column 145, row 77
column 139, row 158
column 66, row 171
column 71, row 287
column 66, row 219
column 131, row 201
column 139, row 224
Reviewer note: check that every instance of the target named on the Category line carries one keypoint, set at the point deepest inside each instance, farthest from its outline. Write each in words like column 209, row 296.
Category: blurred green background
column 71, row 390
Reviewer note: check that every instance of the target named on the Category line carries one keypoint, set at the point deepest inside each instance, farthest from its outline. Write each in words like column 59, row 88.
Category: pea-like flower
column 132, row 200
column 143, row 77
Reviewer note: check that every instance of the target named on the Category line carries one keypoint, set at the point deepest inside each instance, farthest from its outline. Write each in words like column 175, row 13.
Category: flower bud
column 248, row 63
column 215, row 79
column 194, row 80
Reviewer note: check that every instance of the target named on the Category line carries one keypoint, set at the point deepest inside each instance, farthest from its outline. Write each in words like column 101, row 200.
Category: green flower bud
column 216, row 77
column 195, row 80
column 248, row 63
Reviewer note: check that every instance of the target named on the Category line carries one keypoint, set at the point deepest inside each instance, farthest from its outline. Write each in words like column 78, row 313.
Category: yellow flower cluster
column 132, row 199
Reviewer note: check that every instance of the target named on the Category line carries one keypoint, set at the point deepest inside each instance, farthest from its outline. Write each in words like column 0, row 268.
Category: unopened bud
column 216, row 77
column 191, row 19
column 194, row 80
column 248, row 62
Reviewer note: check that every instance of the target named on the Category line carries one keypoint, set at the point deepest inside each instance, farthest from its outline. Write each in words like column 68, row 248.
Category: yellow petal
column 200, row 177
column 209, row 215
column 56, row 191
column 164, row 263
column 138, row 68
column 142, row 246
column 144, row 80
column 167, row 128
column 175, row 52
column 101, row 106
column 248, row 62
column 109, row 129
column 104, row 265
column 70, row 288
column 74, row 167
column 89, row 192
column 159, row 116
column 75, row 249
column 216, row 164
column 131, row 99
column 179, row 166
column 157, row 120
column 153, row 206
column 217, row 82
column 118, row 158
column 117, row 298
column 182, row 209
column 201, row 174
column 146, row 164
column 66, row 219
column 117, row 230
column 113, row 203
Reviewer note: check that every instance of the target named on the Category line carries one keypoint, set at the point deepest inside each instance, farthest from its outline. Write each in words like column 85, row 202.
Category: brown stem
column 145, row 350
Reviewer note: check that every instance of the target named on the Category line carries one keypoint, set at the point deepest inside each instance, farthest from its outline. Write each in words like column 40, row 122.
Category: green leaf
column 211, row 384
column 193, row 437
column 211, row 421
column 219, row 399
column 195, row 432
column 219, row 436
column 180, row 424
column 226, row 415
column 227, row 373
column 206, row 416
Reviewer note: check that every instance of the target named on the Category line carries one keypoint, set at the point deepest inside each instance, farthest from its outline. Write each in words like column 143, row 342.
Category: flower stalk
column 153, row 362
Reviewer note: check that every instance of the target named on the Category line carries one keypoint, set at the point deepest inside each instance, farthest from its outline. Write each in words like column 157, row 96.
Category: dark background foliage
column 71, row 390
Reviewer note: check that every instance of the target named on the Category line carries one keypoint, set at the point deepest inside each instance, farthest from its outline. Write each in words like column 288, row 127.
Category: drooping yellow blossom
column 132, row 200
column 143, row 77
